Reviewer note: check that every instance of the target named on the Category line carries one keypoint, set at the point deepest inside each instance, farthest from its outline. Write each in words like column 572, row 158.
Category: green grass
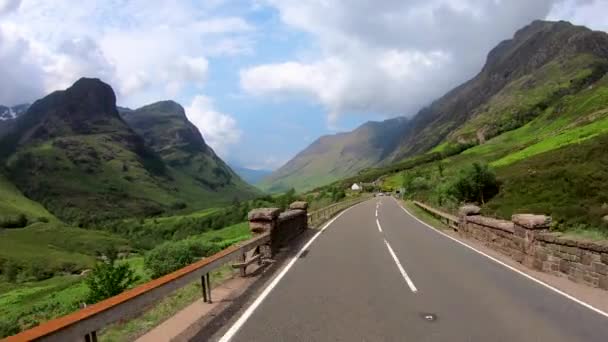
column 572, row 136
column 55, row 247
column 13, row 203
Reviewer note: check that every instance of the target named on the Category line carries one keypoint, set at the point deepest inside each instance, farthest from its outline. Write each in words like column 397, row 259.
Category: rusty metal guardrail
column 83, row 324
column 319, row 216
column 450, row 220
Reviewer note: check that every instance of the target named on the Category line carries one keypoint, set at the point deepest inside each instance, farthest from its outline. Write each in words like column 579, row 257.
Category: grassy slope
column 555, row 164
column 13, row 203
column 55, row 246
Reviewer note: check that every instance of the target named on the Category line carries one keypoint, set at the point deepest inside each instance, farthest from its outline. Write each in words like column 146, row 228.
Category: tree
column 475, row 184
column 109, row 278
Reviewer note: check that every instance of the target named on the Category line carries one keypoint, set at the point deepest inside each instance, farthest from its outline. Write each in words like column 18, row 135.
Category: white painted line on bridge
column 409, row 281
column 379, row 227
column 540, row 282
column 243, row 319
column 376, row 212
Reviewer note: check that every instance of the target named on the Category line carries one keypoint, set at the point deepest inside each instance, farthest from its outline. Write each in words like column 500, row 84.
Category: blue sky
column 262, row 79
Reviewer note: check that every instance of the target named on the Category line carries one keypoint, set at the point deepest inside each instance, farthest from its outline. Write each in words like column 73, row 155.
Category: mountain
column 335, row 156
column 251, row 176
column 8, row 116
column 166, row 129
column 522, row 77
column 72, row 152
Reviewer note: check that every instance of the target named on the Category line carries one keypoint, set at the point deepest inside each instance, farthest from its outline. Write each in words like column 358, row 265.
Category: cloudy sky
column 263, row 78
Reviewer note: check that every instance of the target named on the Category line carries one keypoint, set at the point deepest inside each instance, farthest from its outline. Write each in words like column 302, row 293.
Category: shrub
column 40, row 270
column 172, row 256
column 8, row 327
column 475, row 184
column 14, row 222
column 10, row 270
column 109, row 278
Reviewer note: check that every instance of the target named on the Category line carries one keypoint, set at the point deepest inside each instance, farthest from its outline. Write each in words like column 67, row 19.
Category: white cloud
column 393, row 56
column 7, row 6
column 146, row 49
column 219, row 130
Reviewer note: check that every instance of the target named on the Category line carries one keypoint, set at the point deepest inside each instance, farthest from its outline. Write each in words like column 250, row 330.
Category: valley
column 84, row 182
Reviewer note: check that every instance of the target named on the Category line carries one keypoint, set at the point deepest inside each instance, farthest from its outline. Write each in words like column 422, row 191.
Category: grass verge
column 424, row 216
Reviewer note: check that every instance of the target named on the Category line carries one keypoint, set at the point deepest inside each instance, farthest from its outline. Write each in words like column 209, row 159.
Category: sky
column 262, row 79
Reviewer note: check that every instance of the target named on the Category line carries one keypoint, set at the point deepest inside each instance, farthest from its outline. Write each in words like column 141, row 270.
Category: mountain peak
column 167, row 108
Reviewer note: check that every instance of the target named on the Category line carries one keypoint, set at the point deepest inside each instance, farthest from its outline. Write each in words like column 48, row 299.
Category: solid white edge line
column 376, row 212
column 538, row 281
column 243, row 319
column 409, row 281
column 379, row 227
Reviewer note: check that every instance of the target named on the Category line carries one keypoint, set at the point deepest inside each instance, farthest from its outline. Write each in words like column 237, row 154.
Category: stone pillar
column 262, row 220
column 464, row 212
column 301, row 205
column 526, row 228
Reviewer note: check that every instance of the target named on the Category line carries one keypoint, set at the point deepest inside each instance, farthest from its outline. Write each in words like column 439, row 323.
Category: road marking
column 376, row 212
column 241, row 321
column 379, row 227
column 538, row 281
column 409, row 281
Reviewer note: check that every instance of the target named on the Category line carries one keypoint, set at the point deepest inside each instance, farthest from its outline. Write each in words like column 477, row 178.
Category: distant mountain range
column 522, row 77
column 74, row 153
column 251, row 176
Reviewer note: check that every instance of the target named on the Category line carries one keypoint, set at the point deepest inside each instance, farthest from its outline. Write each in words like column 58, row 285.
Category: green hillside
column 555, row 164
column 548, row 70
column 13, row 204
column 73, row 153
column 335, row 156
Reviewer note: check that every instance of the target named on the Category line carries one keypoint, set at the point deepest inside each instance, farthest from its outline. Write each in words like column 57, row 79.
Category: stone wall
column 282, row 226
column 526, row 239
column 581, row 261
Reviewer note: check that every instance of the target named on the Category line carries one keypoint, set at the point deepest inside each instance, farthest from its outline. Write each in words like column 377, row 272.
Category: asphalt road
column 347, row 286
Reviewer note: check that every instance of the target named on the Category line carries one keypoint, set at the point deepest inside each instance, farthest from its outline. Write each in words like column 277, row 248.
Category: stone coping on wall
column 490, row 222
column 558, row 239
column 290, row 214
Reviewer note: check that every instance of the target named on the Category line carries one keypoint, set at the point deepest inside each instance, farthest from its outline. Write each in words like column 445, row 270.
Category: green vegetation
column 42, row 250
column 475, row 184
column 14, row 207
column 109, row 278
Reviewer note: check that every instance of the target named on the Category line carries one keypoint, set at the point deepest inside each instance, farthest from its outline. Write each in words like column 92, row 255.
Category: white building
column 355, row 187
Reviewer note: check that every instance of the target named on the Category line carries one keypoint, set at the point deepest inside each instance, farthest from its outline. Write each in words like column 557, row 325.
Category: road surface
column 377, row 274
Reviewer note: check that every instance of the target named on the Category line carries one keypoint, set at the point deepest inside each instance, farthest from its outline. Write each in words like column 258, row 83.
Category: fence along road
column 405, row 282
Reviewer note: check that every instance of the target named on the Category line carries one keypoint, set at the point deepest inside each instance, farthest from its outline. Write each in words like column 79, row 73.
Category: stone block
column 604, row 258
column 564, row 266
column 301, row 205
column 603, row 282
column 264, row 214
column 530, row 221
column 600, row 268
column 586, row 259
column 469, row 210
column 259, row 227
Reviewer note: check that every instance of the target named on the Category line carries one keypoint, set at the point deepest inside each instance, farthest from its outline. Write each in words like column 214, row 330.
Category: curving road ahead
column 377, row 274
